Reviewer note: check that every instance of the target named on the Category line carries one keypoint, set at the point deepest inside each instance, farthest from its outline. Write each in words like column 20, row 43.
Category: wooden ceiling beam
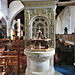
column 68, row 3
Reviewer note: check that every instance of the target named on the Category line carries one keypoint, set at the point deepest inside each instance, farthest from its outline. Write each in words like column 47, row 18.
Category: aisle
column 65, row 69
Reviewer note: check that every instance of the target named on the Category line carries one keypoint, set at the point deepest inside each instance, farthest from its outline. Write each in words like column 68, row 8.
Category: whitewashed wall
column 66, row 19
column 14, row 8
column 58, row 25
column 4, row 10
column 4, row 7
column 9, row 13
column 72, row 10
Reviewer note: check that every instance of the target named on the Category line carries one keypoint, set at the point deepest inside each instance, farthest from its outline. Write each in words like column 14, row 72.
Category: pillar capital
column 31, row 4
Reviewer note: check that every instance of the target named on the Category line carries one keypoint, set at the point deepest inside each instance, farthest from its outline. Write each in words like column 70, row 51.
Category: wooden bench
column 22, row 59
column 12, row 64
column 15, row 45
column 10, row 53
column 3, row 42
column 3, row 62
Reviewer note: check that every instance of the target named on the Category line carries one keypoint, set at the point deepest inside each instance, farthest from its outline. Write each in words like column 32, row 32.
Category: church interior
column 37, row 37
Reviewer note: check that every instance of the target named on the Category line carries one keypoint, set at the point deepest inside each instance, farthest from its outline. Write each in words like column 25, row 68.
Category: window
column 69, row 25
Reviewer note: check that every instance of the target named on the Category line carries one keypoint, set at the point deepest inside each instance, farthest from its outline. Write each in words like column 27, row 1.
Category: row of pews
column 3, row 42
column 65, row 51
column 14, row 45
column 9, row 58
column 66, row 37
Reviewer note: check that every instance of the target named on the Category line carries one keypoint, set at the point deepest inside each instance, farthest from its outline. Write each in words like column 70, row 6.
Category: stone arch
column 42, row 20
column 16, row 14
column 16, row 9
column 3, row 21
column 65, row 18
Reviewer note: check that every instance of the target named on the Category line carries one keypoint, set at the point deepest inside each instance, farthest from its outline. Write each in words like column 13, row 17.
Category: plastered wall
column 66, row 19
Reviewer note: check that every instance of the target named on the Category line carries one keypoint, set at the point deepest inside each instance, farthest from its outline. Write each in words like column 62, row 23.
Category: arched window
column 69, row 25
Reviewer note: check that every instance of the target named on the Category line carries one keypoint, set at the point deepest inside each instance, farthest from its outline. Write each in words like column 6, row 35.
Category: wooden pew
column 22, row 59
column 14, row 45
column 3, row 62
column 3, row 42
column 10, row 53
column 12, row 64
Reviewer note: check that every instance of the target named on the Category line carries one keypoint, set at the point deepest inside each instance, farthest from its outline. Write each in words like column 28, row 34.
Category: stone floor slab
column 57, row 73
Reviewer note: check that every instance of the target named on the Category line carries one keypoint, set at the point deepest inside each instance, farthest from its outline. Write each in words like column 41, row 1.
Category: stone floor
column 22, row 73
column 56, row 73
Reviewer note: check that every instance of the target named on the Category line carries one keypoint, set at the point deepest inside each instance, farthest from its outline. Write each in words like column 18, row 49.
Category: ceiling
column 60, row 8
column 9, row 1
column 21, row 14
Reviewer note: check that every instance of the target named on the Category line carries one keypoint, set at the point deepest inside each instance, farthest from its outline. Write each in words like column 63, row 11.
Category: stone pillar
column 11, row 34
column 8, row 34
column 74, row 49
column 18, row 27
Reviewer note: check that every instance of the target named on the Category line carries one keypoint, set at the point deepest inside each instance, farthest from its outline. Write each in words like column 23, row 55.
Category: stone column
column 18, row 27
column 74, row 49
column 11, row 34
